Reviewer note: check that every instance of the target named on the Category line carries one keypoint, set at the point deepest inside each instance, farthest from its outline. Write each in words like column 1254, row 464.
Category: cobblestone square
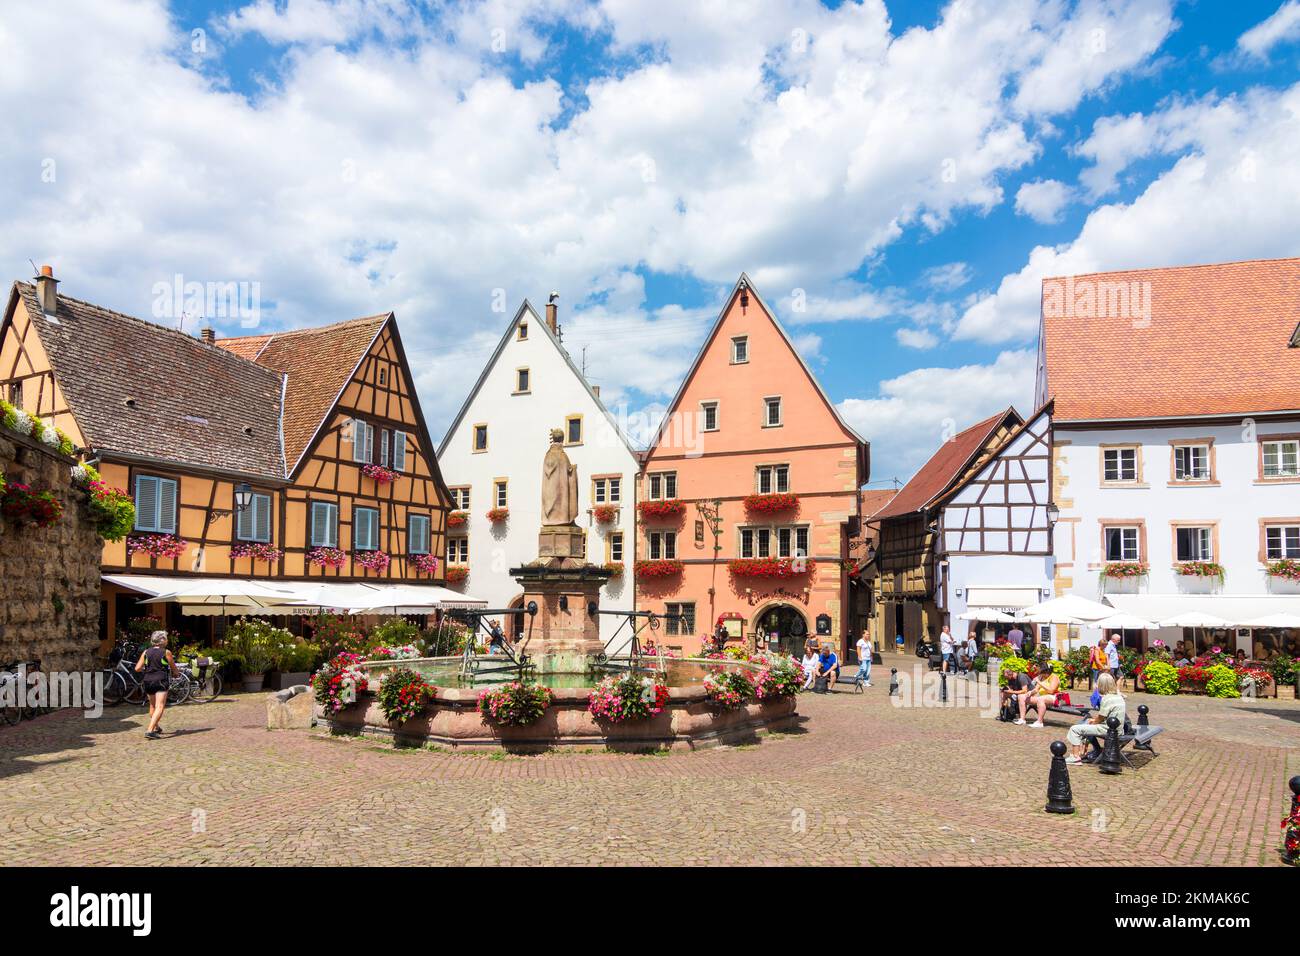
column 858, row 782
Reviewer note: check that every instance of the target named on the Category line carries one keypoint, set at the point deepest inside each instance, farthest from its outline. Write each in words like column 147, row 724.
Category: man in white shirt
column 946, row 645
column 865, row 650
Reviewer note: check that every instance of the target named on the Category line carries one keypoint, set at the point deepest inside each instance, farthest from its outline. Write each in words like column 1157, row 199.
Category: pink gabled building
column 752, row 470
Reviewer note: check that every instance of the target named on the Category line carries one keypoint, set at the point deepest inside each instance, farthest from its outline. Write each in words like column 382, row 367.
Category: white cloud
column 916, row 338
column 1282, row 27
column 915, row 412
column 948, row 277
column 318, row 21
column 1230, row 195
column 1043, row 200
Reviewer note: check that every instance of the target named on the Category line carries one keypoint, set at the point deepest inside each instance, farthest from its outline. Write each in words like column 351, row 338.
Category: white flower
column 23, row 423
column 50, row 436
column 79, row 474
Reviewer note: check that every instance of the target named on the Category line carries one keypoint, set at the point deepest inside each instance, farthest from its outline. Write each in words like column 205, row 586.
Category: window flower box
column 668, row 508
column 771, row 567
column 771, row 504
column 497, row 515
column 1125, row 569
column 327, row 557
column 376, row 561
column 457, row 573
column 424, row 563
column 1286, row 568
column 605, row 514
column 1199, row 569
column 457, row 519
column 256, row 551
column 379, row 474
column 17, row 420
column 615, row 568
column 659, row 568
column 156, row 545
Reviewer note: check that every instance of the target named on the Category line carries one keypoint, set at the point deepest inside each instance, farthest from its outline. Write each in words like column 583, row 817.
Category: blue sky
column 897, row 178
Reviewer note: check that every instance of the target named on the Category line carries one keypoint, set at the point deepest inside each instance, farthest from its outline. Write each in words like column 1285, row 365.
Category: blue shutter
column 399, row 451
column 166, row 506
column 146, row 503
column 383, row 447
column 262, row 517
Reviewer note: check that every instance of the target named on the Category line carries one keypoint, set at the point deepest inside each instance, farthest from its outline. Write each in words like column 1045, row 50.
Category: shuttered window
column 155, row 504
column 365, row 529
column 383, row 447
column 363, row 441
column 324, row 525
column 254, row 522
column 417, row 534
column 399, row 451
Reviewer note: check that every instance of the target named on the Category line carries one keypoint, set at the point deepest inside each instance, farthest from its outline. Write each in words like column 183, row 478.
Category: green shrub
column 1283, row 668
column 1160, row 678
column 1012, row 665
column 259, row 645
column 393, row 632
column 1223, row 682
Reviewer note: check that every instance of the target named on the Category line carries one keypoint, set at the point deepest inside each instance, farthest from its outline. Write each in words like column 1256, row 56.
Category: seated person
column 811, row 666
column 1042, row 696
column 828, row 665
column 1112, row 705
column 1017, row 689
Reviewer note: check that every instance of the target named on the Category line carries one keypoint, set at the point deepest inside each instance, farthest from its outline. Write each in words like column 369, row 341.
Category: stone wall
column 49, row 577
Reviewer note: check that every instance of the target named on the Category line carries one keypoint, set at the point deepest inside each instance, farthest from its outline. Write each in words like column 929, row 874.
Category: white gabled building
column 491, row 457
column 1176, row 445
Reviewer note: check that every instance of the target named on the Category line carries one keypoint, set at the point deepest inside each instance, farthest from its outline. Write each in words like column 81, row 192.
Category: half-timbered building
column 319, row 430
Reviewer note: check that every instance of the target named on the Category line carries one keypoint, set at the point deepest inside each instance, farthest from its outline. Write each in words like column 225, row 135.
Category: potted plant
column 256, row 643
column 294, row 666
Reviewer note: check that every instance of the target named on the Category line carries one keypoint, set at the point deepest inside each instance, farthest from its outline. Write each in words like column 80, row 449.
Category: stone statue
column 559, row 484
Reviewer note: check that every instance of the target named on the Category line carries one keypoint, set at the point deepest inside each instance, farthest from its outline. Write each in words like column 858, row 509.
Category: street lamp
column 1053, row 512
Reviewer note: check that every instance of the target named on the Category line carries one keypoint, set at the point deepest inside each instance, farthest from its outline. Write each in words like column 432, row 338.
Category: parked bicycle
column 204, row 683
column 13, row 705
column 121, row 682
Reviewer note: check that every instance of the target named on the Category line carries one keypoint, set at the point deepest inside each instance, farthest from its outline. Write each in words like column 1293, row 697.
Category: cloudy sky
column 895, row 177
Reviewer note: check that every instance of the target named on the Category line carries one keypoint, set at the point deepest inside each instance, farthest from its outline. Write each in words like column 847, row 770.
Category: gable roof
column 945, row 466
column 526, row 309
column 969, row 474
column 192, row 402
column 1218, row 343
column 744, row 283
column 317, row 364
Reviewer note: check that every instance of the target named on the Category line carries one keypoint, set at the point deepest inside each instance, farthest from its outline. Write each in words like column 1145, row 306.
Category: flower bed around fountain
column 689, row 719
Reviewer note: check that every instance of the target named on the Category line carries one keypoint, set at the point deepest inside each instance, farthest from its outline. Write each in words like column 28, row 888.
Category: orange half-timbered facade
column 322, row 425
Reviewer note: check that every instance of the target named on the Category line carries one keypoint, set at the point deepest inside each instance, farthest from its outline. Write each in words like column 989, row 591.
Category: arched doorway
column 784, row 625
column 514, row 624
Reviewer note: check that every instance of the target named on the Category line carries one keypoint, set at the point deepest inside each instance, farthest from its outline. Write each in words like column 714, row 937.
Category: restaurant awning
column 1005, row 597
column 215, row 596
column 1238, row 609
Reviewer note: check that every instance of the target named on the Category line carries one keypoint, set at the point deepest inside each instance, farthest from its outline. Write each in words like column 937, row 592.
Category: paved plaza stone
column 857, row 782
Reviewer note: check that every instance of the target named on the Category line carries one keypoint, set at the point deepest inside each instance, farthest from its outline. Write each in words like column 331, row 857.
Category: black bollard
column 1060, row 799
column 893, row 682
column 1143, row 711
column 1110, row 759
column 943, row 686
column 1291, row 827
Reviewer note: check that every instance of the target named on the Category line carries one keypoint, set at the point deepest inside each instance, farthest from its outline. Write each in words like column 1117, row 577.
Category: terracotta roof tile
column 193, row 402
column 318, row 363
column 944, row 467
column 1216, row 343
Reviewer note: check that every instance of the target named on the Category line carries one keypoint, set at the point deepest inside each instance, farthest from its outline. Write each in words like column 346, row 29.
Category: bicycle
column 206, row 685
column 120, row 679
column 11, row 675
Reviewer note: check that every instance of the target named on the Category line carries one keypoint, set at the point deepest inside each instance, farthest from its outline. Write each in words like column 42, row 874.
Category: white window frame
column 1122, row 529
column 1189, row 451
column 331, row 512
column 767, row 411
column 1204, row 545
column 1280, row 445
column 418, row 543
column 710, row 405
column 615, row 541
column 1285, row 548
column 501, row 492
column 458, row 549
column 776, row 476
column 1119, row 453
column 662, row 545
column 739, row 349
column 657, row 483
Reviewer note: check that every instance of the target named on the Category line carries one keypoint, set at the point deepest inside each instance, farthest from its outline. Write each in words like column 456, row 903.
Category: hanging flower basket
column 497, row 515
column 1287, row 568
column 662, row 568
column 771, row 504
column 456, row 574
column 615, row 568
column 377, row 561
column 771, row 567
column 379, row 474
column 1200, row 569
column 424, row 563
column 605, row 514
column 327, row 557
column 256, row 551
column 457, row 519
column 669, row 508
column 156, row 545
column 1125, row 569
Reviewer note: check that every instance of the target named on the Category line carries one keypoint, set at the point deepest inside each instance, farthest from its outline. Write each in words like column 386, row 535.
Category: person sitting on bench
column 1042, row 696
column 1017, row 690
column 828, row 665
column 810, row 667
column 1112, row 705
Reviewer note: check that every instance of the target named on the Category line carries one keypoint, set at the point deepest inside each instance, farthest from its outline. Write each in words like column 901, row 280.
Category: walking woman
column 157, row 669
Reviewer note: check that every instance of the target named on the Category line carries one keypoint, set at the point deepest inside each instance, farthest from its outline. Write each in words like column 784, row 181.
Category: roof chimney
column 208, row 334
column 46, row 290
column 553, row 313
column 595, row 390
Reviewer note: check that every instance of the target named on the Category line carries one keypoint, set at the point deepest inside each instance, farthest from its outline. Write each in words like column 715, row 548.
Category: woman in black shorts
column 157, row 669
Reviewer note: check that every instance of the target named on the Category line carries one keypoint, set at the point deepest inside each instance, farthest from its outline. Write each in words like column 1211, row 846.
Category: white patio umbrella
column 1125, row 622
column 985, row 614
column 1066, row 609
column 1194, row 619
column 1281, row 619
column 413, row 599
column 219, row 595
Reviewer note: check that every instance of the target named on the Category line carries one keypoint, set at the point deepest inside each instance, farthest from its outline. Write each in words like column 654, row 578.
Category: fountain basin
column 688, row 721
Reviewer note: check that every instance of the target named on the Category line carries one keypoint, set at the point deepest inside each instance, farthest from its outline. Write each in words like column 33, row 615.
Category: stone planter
column 283, row 680
column 252, row 683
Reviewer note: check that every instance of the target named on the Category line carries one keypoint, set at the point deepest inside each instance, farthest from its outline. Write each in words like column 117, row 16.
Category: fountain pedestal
column 563, row 635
